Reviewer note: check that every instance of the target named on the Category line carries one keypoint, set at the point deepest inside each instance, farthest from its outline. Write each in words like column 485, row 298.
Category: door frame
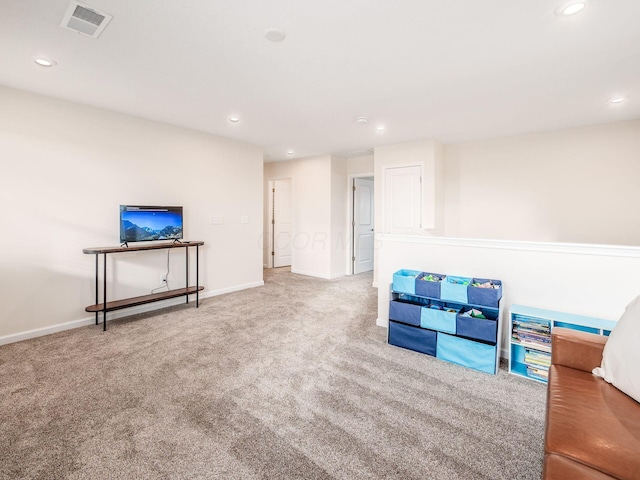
column 350, row 252
column 269, row 242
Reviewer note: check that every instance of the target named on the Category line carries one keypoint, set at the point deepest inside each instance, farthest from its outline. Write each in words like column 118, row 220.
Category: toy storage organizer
column 427, row 315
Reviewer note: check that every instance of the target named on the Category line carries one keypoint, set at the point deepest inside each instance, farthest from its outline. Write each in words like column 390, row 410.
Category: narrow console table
column 154, row 297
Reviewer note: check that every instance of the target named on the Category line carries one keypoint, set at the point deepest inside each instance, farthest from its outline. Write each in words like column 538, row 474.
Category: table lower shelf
column 132, row 302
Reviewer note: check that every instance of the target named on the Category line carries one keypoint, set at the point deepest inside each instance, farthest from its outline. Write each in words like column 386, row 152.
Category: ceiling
column 453, row 70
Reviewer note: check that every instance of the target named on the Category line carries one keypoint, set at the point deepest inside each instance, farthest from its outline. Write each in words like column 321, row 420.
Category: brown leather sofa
column 592, row 428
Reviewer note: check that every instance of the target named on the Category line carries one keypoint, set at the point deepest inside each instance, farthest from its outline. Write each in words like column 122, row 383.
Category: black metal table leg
column 197, row 274
column 186, row 251
column 104, row 294
column 97, row 254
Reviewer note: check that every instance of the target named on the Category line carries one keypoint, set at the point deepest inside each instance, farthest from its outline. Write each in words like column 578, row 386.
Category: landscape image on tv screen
column 141, row 224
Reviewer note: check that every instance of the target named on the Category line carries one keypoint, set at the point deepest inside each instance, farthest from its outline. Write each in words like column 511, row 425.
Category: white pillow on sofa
column 621, row 355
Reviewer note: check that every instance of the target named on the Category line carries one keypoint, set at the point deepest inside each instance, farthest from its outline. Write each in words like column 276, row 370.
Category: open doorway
column 362, row 222
column 280, row 222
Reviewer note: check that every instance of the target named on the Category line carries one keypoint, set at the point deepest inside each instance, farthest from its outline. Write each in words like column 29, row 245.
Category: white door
column 362, row 225
column 281, row 219
column 402, row 199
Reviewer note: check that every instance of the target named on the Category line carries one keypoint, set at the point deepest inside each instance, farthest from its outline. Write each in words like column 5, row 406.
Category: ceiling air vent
column 84, row 19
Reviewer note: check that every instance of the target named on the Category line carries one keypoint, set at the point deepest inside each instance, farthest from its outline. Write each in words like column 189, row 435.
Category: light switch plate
column 244, row 219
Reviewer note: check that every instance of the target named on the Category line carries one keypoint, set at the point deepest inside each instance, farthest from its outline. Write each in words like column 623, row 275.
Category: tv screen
column 142, row 223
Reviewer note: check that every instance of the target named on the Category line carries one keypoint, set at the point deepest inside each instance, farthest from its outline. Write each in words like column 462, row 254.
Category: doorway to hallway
column 281, row 222
column 363, row 225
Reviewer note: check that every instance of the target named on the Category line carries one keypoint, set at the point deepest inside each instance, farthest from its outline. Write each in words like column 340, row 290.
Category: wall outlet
column 163, row 278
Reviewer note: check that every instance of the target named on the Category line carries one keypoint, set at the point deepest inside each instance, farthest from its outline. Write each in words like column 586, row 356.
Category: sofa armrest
column 576, row 349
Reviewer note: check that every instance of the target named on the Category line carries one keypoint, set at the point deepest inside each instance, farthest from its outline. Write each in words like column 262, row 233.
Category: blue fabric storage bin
column 427, row 288
column 404, row 312
column 413, row 338
column 478, row 328
column 489, row 297
column 467, row 353
column 405, row 281
column 435, row 319
column 454, row 289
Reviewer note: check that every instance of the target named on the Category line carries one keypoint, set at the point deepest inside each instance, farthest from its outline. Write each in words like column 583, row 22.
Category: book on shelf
column 532, row 333
column 538, row 346
column 538, row 373
column 537, row 359
column 532, row 322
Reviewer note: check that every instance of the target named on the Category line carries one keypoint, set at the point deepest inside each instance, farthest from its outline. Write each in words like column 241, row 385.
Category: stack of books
column 538, row 373
column 532, row 333
column 538, row 363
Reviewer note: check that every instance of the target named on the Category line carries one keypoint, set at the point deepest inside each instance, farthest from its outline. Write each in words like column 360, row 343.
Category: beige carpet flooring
column 289, row 380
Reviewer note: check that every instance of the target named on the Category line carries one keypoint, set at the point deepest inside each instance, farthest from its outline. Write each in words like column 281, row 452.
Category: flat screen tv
column 146, row 223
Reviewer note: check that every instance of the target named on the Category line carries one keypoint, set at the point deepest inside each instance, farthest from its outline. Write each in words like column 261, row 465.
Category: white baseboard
column 504, row 351
column 235, row 288
column 39, row 332
column 318, row 275
column 311, row 274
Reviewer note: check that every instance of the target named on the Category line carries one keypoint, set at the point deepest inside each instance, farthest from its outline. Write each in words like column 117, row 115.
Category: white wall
column 591, row 280
column 340, row 248
column 578, row 185
column 67, row 168
column 360, row 165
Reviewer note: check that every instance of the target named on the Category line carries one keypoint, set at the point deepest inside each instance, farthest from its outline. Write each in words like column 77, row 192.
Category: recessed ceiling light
column 290, row 152
column 44, row 62
column 234, row 118
column 274, row 34
column 572, row 8
column 362, row 120
column 380, row 128
column 616, row 100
